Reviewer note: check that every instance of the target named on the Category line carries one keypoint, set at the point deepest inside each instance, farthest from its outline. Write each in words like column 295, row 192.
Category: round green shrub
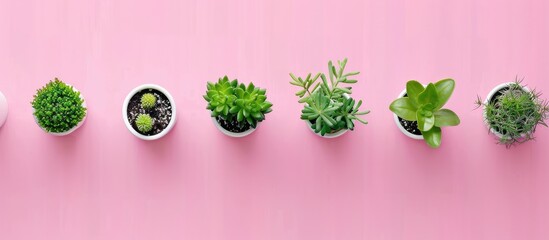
column 58, row 107
column 148, row 100
column 144, row 123
column 516, row 113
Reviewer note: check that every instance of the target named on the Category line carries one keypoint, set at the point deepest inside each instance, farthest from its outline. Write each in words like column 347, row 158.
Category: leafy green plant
column 424, row 105
column 144, row 123
column 58, row 107
column 328, row 106
column 515, row 113
column 148, row 100
column 232, row 101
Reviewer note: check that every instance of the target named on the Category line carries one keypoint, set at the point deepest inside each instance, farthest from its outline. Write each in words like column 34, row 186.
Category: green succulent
column 515, row 114
column 424, row 105
column 328, row 106
column 144, row 123
column 148, row 100
column 233, row 101
column 58, row 107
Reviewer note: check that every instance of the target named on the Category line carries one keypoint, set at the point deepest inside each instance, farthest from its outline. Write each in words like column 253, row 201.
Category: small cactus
column 144, row 123
column 148, row 100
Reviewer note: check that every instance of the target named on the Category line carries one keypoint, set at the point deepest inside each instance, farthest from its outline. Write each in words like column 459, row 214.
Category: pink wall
column 281, row 182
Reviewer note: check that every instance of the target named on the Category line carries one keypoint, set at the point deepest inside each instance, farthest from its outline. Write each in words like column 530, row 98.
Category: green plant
column 424, row 105
column 515, row 113
column 148, row 100
column 144, row 123
column 328, row 106
column 232, row 101
column 58, row 107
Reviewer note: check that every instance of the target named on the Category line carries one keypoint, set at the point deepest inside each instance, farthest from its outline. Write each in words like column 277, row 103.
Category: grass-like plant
column 232, row 101
column 328, row 106
column 148, row 100
column 424, row 105
column 515, row 113
column 144, row 123
column 58, row 107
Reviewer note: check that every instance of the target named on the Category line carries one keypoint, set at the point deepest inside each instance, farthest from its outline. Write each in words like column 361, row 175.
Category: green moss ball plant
column 512, row 112
column 236, row 109
column 144, row 122
column 148, row 100
column 58, row 108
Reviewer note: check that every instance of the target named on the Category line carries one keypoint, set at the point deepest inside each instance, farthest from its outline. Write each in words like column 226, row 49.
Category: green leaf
column 445, row 88
column 433, row 137
column 240, row 116
column 429, row 96
column 404, row 109
column 445, row 117
column 413, row 89
column 331, row 73
column 425, row 123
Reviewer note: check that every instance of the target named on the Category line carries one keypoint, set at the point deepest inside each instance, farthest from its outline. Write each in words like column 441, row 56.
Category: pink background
column 281, row 182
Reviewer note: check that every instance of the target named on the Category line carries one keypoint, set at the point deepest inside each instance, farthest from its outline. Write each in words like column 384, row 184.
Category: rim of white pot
column 125, row 111
column 5, row 114
column 327, row 135
column 400, row 127
column 73, row 128
column 233, row 134
column 487, row 100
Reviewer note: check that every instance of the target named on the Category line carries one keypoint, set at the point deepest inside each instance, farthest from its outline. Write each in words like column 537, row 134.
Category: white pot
column 125, row 111
column 3, row 109
column 75, row 127
column 233, row 134
column 400, row 127
column 487, row 100
column 327, row 135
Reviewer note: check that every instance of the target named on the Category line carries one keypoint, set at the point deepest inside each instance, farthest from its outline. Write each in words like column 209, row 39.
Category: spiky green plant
column 58, row 107
column 328, row 106
column 232, row 101
column 424, row 105
column 144, row 123
column 148, row 100
column 515, row 113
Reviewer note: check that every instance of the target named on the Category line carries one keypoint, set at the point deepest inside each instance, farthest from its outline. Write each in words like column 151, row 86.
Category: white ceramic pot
column 489, row 98
column 327, row 135
column 233, row 134
column 400, row 127
column 125, row 111
column 75, row 127
column 3, row 109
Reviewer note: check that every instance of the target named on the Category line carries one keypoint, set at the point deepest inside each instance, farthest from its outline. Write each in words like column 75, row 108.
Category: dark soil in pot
column 233, row 126
column 161, row 113
column 410, row 126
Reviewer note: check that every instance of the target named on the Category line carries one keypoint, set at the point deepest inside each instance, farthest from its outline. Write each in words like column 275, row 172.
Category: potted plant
column 59, row 109
column 149, row 112
column 418, row 110
column 3, row 109
column 512, row 112
column 236, row 109
column 328, row 109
